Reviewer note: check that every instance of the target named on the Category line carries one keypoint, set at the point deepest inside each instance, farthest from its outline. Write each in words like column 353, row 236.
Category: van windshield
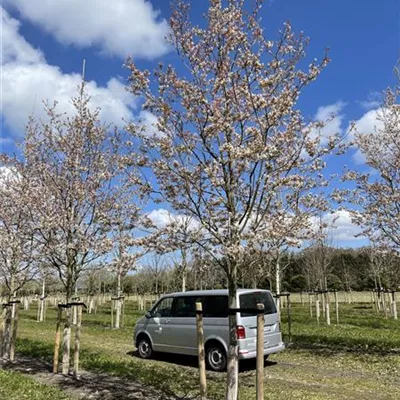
column 250, row 300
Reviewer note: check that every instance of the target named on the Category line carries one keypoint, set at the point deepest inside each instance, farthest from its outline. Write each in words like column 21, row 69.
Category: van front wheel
column 216, row 357
column 144, row 348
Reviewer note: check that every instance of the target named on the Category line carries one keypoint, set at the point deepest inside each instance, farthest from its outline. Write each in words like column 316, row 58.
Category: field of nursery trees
column 351, row 355
column 211, row 176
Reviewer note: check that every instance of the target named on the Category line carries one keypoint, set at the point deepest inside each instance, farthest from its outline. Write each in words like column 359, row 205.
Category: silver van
column 170, row 326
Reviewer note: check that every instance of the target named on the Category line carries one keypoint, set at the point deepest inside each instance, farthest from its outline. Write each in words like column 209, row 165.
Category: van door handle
column 167, row 321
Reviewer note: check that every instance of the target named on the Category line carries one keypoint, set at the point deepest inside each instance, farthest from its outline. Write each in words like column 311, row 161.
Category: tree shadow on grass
column 192, row 361
column 333, row 345
column 177, row 359
column 89, row 385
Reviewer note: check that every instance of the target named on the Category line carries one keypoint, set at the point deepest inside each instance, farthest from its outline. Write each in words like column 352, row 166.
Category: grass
column 358, row 359
column 16, row 386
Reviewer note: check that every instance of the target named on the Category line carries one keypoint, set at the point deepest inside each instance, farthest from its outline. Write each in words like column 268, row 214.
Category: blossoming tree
column 230, row 148
column 77, row 165
column 17, row 231
column 19, row 254
column 377, row 193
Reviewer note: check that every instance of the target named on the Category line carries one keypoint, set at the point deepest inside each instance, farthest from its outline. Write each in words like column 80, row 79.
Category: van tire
column 216, row 357
column 145, row 349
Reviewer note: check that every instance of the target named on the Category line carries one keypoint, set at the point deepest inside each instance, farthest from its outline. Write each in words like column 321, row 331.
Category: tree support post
column 260, row 352
column 77, row 340
column 15, row 306
column 57, row 340
column 201, row 351
column 310, row 301
column 394, row 306
column 336, row 307
column 317, row 311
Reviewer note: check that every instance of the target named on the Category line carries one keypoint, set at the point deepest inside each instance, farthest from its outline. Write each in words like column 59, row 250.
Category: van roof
column 213, row 292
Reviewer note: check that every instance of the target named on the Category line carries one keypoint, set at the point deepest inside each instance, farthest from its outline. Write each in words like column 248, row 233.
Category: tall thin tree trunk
column 66, row 342
column 183, row 281
column 118, row 301
column 278, row 284
column 42, row 301
column 7, row 333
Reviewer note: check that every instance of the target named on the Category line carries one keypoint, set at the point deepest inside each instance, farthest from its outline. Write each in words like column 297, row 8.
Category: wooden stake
column 327, row 308
column 260, row 352
column 394, row 306
column 57, row 341
column 289, row 317
column 317, row 311
column 112, row 314
column 2, row 329
column 384, row 304
column 14, row 331
column 7, row 333
column 39, row 304
column 123, row 313
column 66, row 341
column 77, row 340
column 337, row 308
column 201, row 352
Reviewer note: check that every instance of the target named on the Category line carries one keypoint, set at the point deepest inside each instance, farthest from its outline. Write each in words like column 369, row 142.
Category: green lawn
column 359, row 359
column 16, row 386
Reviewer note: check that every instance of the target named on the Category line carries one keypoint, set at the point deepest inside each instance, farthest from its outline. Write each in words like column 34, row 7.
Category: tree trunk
column 66, row 343
column 184, row 268
column 15, row 307
column 3, row 317
column 327, row 306
column 66, row 340
column 77, row 341
column 184, row 280
column 233, row 348
column 42, row 301
column 118, row 302
column 7, row 332
column 278, row 284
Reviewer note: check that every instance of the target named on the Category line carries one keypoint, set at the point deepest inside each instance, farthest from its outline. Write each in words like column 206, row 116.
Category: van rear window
column 250, row 300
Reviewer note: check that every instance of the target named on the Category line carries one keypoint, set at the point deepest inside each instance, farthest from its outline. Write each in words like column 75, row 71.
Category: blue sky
column 45, row 41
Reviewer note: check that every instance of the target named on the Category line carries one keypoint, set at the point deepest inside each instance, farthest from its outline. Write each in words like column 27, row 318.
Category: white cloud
column 149, row 121
column 7, row 176
column 5, row 140
column 14, row 48
column 161, row 218
column 374, row 100
column 333, row 114
column 367, row 124
column 117, row 27
column 27, row 80
column 339, row 226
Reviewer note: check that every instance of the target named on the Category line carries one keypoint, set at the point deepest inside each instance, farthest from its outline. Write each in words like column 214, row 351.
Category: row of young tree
column 360, row 269
column 241, row 170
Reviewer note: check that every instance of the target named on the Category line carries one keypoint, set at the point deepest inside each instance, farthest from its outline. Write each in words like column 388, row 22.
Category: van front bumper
column 245, row 355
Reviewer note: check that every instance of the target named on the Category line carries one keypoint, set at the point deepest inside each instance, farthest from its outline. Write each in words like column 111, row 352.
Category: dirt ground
column 89, row 385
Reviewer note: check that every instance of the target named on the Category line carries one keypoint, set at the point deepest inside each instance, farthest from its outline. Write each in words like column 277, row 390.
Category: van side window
column 215, row 307
column 185, row 306
column 163, row 308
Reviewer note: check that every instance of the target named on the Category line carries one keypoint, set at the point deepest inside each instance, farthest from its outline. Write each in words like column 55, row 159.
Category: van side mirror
column 148, row 315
